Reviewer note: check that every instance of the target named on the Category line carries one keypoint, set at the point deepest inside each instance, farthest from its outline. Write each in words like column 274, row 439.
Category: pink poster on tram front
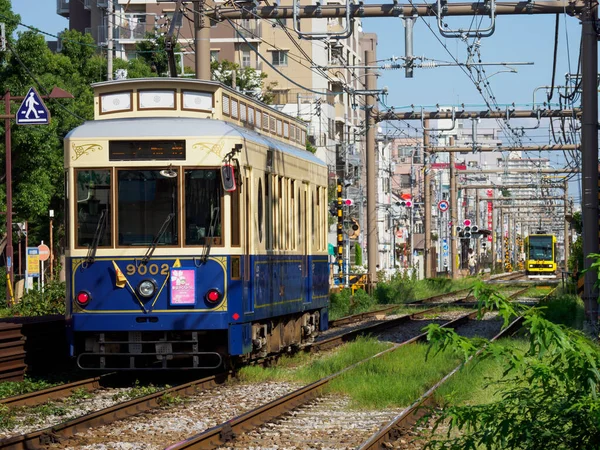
column 183, row 286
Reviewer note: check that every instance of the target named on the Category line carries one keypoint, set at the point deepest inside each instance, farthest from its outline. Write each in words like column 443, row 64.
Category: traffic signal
column 347, row 202
column 474, row 229
column 354, row 230
column 333, row 208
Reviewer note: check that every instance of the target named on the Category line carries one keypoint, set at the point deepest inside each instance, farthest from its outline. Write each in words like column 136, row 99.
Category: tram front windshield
column 540, row 247
column 146, row 199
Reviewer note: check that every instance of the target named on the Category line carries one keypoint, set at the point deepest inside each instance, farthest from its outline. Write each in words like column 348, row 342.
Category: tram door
column 308, row 236
column 247, row 246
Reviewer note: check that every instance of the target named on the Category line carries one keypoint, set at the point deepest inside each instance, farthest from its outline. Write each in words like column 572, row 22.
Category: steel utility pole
column 372, row 238
column 453, row 216
column 566, row 230
column 589, row 159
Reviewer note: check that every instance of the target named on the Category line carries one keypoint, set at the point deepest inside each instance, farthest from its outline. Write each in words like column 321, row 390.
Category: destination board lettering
column 146, row 150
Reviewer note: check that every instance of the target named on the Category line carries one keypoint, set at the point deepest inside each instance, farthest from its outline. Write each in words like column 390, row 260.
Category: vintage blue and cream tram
column 197, row 228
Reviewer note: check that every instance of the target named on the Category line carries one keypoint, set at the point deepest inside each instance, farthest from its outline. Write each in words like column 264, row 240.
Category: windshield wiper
column 159, row 235
column 215, row 217
column 98, row 235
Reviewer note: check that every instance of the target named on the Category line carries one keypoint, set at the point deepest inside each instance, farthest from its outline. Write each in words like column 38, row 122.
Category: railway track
column 136, row 406
column 146, row 403
column 236, row 432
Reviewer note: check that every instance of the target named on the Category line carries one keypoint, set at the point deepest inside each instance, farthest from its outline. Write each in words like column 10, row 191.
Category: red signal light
column 83, row 298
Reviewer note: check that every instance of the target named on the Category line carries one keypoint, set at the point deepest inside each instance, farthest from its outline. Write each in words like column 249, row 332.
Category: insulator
column 428, row 65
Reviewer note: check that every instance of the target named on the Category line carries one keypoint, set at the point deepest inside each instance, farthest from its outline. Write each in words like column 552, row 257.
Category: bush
column 399, row 289
column 564, row 309
column 37, row 303
column 344, row 303
column 547, row 396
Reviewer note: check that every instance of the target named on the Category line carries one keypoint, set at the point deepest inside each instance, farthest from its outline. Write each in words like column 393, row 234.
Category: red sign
column 490, row 221
column 44, row 252
column 447, row 165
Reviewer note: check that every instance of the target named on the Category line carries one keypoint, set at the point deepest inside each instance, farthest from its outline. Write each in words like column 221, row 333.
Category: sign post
column 32, row 266
column 7, row 116
column 44, row 254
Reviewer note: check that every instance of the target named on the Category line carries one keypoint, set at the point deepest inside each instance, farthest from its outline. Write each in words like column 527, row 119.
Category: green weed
column 12, row 388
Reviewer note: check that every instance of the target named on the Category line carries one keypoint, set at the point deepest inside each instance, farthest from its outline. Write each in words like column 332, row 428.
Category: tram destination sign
column 146, row 150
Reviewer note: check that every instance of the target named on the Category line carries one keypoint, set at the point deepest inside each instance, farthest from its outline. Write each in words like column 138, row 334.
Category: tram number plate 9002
column 143, row 269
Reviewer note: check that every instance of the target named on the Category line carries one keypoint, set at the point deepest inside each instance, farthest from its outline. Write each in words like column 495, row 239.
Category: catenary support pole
column 110, row 23
column 372, row 240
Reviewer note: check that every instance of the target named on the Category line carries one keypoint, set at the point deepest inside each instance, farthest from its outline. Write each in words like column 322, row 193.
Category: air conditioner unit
column 403, row 159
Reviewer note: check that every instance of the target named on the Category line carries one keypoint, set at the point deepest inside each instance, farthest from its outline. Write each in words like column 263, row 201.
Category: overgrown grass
column 399, row 289
column 12, row 388
column 306, row 368
column 565, row 309
column 476, row 382
column 436, row 286
column 394, row 380
column 537, row 291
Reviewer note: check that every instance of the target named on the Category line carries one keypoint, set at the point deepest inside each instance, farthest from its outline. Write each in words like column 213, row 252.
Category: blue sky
column 516, row 39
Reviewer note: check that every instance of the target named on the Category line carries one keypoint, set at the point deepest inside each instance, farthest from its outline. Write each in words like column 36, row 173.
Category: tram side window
column 203, row 195
column 147, row 207
column 93, row 213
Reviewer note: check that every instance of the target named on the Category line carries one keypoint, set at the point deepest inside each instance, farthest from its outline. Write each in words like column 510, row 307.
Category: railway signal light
column 347, row 202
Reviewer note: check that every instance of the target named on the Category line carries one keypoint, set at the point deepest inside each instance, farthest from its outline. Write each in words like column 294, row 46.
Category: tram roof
column 178, row 127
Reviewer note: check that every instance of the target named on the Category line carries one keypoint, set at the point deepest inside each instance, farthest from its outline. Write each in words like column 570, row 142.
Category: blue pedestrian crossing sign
column 32, row 110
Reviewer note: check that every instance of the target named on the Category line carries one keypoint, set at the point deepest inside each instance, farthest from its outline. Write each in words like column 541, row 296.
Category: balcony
column 250, row 29
column 132, row 28
column 62, row 8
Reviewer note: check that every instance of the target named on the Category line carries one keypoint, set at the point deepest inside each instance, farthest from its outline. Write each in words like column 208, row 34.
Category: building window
column 405, row 181
column 280, row 58
column 214, row 55
column 280, row 97
column 405, row 151
column 246, row 62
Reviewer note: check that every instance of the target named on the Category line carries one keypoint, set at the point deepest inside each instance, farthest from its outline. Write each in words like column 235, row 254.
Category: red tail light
column 83, row 298
column 213, row 296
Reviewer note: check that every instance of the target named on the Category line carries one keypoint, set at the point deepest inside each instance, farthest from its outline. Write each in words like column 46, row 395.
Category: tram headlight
column 146, row 288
